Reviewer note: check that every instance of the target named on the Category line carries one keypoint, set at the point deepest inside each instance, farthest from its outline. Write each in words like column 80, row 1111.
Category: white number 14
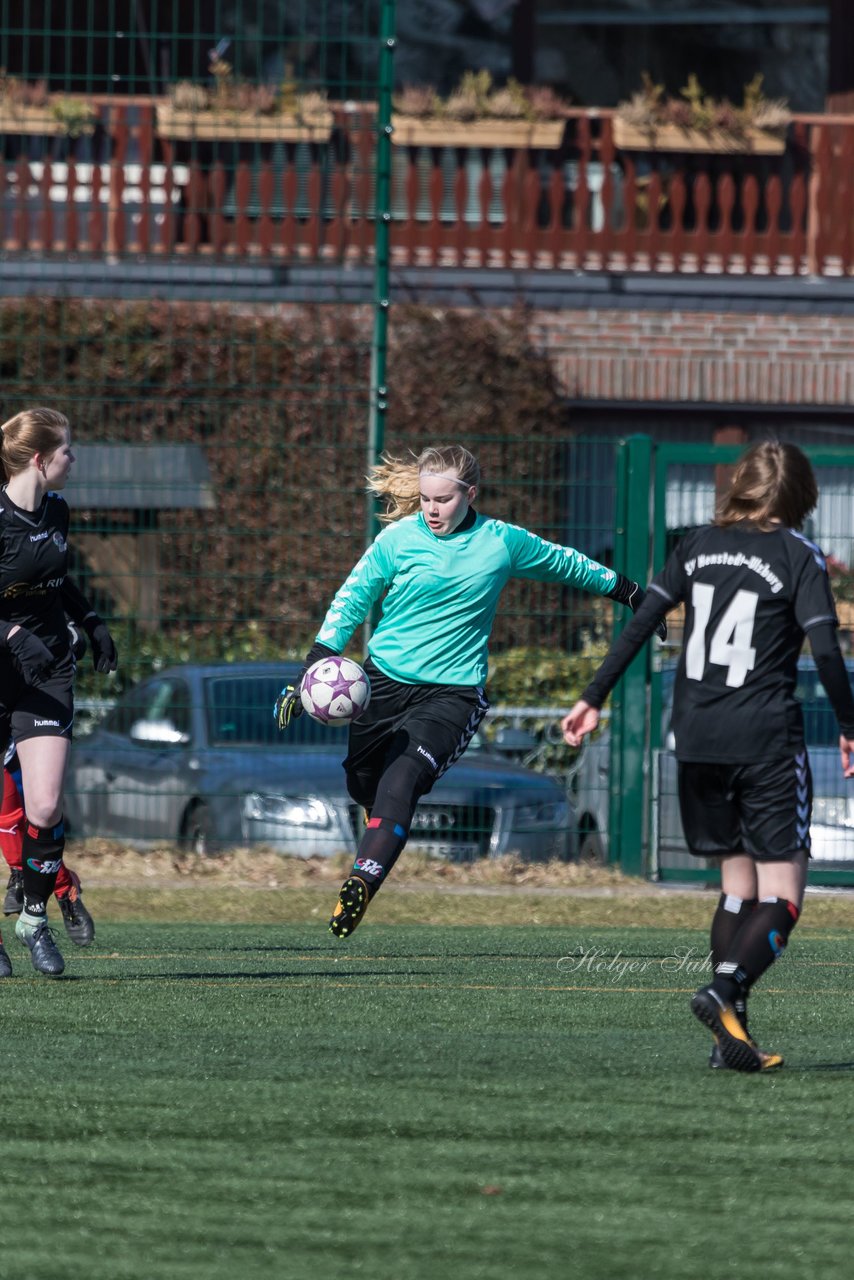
column 731, row 641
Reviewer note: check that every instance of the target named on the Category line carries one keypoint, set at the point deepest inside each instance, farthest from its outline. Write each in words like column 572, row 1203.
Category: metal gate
column 663, row 490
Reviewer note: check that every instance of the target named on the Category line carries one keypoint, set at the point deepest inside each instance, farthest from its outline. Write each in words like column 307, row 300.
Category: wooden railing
column 127, row 189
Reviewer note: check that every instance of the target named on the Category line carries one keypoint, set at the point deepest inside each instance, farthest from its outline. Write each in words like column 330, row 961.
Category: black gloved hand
column 104, row 656
column 31, row 654
column 632, row 594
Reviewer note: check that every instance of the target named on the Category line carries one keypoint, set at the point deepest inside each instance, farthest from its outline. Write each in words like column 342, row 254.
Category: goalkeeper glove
column 629, row 593
column 288, row 705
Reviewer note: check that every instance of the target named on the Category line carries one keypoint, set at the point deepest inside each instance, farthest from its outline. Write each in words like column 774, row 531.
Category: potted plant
column 476, row 114
column 29, row 108
column 234, row 109
column 652, row 121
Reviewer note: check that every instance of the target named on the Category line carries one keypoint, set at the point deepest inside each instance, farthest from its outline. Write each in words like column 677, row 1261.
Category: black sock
column 41, row 858
column 379, row 849
column 759, row 942
column 730, row 915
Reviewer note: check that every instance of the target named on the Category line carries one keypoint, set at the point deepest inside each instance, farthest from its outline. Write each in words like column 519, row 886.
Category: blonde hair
column 772, row 482
column 28, row 433
column 398, row 480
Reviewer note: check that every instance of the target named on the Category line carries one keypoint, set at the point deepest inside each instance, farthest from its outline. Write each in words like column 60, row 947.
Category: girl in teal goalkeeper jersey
column 439, row 568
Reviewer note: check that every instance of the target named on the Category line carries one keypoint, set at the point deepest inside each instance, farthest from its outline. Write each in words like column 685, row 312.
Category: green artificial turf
column 462, row 1102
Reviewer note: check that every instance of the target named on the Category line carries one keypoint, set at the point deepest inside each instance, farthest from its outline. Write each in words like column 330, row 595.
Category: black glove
column 104, row 656
column 31, row 654
column 288, row 704
column 631, row 594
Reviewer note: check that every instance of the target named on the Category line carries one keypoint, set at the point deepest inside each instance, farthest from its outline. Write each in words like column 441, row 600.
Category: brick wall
column 700, row 356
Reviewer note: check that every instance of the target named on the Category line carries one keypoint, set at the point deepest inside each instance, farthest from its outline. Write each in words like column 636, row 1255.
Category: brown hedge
column 278, row 401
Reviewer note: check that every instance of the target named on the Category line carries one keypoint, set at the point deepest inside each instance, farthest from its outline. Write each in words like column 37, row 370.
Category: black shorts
column 43, row 710
column 433, row 723
column 759, row 809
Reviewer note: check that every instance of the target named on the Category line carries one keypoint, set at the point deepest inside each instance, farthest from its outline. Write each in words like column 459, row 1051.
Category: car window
column 240, row 710
column 156, row 700
column 127, row 712
column 169, row 700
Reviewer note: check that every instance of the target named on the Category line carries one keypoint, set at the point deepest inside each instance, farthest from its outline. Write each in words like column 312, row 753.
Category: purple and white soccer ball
column 335, row 691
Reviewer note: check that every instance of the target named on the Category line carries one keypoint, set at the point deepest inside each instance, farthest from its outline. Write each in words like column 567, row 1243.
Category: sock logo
column 369, row 867
column 777, row 941
column 45, row 868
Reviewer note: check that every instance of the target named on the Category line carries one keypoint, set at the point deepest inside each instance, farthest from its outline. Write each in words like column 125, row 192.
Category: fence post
column 382, row 230
column 628, row 817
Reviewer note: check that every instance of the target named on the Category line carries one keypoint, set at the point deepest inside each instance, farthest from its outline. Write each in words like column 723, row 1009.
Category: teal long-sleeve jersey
column 441, row 594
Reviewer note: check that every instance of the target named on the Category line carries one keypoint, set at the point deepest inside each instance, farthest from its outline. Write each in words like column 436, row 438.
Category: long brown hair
column 772, row 482
column 397, row 480
column 28, row 433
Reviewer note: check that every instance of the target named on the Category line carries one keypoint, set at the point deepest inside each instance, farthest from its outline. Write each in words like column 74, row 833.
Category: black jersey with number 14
column 750, row 597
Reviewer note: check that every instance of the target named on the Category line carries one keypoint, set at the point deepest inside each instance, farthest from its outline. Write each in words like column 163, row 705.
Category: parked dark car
column 193, row 755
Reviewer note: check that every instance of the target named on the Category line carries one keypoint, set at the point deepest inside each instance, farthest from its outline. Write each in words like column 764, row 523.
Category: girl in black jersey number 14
column 753, row 587
column 36, row 661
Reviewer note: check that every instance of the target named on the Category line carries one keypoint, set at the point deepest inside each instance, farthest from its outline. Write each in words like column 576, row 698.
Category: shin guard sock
column 759, row 942
column 379, row 849
column 42, row 858
column 730, row 915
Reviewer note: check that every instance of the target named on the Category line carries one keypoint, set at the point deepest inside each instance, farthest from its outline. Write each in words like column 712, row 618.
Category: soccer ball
column 335, row 690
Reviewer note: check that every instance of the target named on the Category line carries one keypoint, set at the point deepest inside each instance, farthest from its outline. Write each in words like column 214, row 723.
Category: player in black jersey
column 36, row 661
column 753, row 587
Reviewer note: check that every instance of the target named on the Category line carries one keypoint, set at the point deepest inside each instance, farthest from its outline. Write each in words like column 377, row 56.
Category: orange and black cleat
column 352, row 903
column 738, row 1051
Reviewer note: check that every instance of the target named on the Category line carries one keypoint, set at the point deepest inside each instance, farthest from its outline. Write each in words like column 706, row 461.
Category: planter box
column 671, row 137
column 36, row 120
column 413, row 131
column 236, row 126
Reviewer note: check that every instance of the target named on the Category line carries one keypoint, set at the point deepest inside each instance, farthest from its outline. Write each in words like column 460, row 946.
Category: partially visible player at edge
column 36, row 658
column 753, row 587
column 439, row 569
column 79, row 924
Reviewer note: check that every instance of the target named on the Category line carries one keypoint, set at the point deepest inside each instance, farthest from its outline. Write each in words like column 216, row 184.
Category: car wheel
column 591, row 849
column 198, row 836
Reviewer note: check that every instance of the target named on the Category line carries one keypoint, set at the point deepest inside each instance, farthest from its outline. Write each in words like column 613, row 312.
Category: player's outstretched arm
column 846, row 752
column 581, row 720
